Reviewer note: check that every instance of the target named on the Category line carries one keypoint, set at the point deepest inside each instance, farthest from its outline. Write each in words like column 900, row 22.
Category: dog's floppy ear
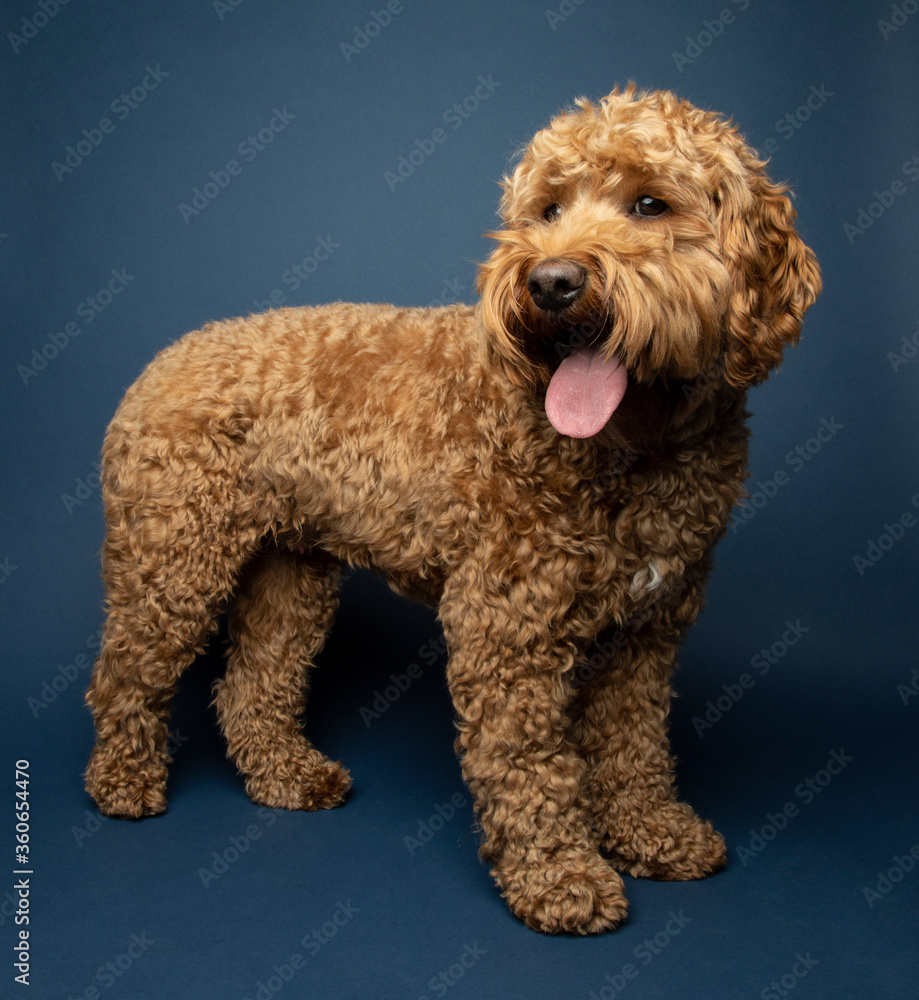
column 775, row 276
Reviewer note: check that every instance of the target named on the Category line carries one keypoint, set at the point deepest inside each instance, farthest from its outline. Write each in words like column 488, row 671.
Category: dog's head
column 642, row 241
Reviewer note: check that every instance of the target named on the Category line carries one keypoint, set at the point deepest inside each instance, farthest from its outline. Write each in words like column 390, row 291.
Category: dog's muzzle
column 588, row 385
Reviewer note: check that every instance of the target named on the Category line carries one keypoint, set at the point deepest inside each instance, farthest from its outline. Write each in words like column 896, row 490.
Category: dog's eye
column 552, row 212
column 649, row 208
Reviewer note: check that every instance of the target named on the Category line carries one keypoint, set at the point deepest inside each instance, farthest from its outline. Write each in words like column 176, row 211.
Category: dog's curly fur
column 255, row 456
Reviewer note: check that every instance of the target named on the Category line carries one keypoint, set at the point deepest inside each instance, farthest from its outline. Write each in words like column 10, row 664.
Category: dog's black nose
column 556, row 283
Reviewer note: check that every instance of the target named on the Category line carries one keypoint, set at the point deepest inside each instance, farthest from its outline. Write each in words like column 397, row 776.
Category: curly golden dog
column 550, row 469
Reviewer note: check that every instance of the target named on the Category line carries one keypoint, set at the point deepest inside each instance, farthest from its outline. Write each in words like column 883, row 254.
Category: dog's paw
column 575, row 894
column 310, row 782
column 120, row 791
column 672, row 845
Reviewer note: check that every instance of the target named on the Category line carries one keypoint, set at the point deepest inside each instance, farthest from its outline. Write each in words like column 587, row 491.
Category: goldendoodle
column 549, row 469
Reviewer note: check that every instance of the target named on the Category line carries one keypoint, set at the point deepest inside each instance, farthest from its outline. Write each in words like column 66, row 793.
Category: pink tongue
column 584, row 392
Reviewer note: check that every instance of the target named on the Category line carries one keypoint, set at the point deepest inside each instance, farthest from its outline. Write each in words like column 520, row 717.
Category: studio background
column 116, row 239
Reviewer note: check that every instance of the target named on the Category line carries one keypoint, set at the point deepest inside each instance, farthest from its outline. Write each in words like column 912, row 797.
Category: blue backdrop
column 168, row 164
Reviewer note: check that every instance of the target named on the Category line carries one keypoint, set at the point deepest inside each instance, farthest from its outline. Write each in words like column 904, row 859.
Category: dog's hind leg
column 278, row 623
column 168, row 569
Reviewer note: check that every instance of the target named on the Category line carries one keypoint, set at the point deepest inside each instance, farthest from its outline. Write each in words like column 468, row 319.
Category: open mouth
column 586, row 385
column 585, row 391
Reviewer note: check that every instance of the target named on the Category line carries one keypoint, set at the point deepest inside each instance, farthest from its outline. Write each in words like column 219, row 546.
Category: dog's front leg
column 510, row 693
column 620, row 723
